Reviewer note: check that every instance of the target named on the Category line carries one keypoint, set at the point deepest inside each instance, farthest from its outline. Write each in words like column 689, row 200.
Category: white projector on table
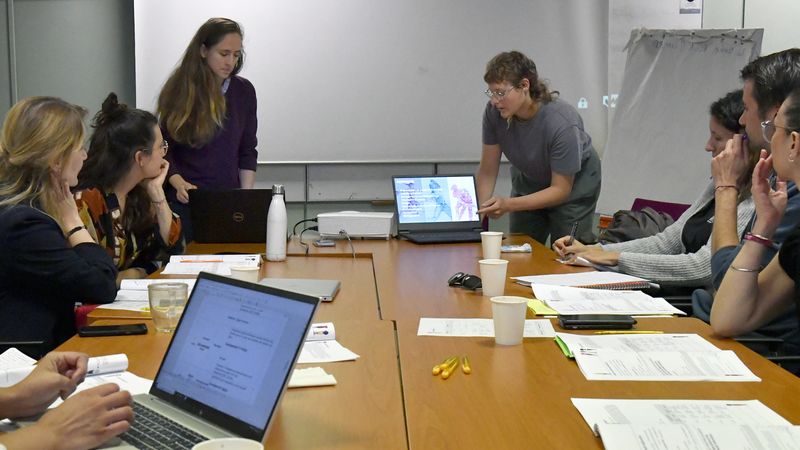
column 378, row 225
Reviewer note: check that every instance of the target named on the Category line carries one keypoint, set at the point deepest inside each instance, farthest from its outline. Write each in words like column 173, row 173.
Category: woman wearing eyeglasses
column 555, row 172
column 208, row 115
column 751, row 296
column 122, row 201
column 680, row 255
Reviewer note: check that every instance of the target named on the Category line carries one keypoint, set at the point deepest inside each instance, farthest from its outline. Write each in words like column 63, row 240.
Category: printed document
column 603, row 411
column 654, row 357
column 572, row 300
column 584, row 279
column 321, row 346
column 132, row 294
column 479, row 328
column 219, row 264
column 702, row 437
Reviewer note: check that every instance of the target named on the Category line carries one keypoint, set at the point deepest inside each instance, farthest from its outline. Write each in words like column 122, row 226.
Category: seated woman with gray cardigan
column 681, row 254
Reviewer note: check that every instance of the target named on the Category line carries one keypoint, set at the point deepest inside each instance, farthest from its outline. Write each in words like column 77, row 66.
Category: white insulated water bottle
column 276, row 225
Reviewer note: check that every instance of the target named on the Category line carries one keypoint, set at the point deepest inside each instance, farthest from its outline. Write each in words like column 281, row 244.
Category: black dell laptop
column 230, row 216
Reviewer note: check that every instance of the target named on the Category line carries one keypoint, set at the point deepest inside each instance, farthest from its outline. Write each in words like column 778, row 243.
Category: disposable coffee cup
column 508, row 315
column 490, row 242
column 229, row 444
column 167, row 301
column 245, row 273
column 493, row 276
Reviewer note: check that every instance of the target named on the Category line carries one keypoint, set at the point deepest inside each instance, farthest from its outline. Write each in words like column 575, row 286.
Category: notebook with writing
column 591, row 280
column 233, row 215
column 228, row 364
column 437, row 208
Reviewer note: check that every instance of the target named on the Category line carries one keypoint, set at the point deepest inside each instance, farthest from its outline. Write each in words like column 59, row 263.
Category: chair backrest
column 673, row 209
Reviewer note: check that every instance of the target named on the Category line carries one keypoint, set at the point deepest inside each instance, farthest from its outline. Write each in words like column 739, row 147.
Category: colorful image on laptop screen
column 436, row 199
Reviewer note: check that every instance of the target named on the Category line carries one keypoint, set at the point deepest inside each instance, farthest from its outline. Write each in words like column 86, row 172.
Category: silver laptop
column 227, row 366
column 433, row 209
column 324, row 290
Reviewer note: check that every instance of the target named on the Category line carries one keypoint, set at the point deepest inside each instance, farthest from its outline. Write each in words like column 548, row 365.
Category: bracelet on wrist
column 74, row 230
column 726, row 186
column 761, row 240
column 744, row 269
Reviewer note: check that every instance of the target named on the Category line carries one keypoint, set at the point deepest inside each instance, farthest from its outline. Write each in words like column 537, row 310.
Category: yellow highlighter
column 465, row 367
column 450, row 368
column 437, row 369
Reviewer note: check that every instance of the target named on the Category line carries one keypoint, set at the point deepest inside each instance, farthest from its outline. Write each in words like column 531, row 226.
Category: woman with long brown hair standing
column 208, row 116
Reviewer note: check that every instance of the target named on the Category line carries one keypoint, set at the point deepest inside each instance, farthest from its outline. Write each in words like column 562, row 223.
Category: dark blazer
column 41, row 278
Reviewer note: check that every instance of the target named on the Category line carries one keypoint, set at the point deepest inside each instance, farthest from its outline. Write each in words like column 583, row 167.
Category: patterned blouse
column 102, row 217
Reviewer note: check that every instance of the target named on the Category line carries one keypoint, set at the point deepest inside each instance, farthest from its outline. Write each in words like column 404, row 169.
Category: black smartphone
column 596, row 322
column 113, row 330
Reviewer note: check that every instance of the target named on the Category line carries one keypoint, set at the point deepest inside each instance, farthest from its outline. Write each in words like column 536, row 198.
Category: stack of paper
column 700, row 437
column 594, row 280
column 571, row 300
column 601, row 411
column 321, row 346
column 654, row 357
column 132, row 294
column 219, row 264
column 479, row 328
column 312, row 376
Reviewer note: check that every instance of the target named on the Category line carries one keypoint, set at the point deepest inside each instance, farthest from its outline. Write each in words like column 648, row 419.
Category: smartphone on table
column 596, row 322
column 112, row 330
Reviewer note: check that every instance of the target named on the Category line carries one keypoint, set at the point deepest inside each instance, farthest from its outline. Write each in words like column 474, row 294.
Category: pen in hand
column 564, row 255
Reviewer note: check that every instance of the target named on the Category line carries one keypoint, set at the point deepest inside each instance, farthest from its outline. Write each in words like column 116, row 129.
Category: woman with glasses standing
column 48, row 260
column 750, row 296
column 122, row 201
column 555, row 171
column 208, row 115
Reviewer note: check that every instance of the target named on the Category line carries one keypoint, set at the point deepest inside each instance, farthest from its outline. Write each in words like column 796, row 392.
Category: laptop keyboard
column 151, row 430
column 444, row 237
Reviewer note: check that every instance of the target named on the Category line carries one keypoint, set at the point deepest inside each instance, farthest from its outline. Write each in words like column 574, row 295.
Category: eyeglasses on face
column 768, row 128
column 498, row 94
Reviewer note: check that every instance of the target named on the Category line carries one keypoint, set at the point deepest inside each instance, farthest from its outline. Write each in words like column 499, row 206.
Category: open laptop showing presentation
column 437, row 208
column 325, row 290
column 233, row 215
column 227, row 366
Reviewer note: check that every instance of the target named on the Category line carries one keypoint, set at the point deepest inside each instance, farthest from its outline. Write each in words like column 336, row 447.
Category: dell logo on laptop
column 238, row 216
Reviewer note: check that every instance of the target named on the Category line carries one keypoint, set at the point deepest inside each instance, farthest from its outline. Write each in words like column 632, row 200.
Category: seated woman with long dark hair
column 122, row 200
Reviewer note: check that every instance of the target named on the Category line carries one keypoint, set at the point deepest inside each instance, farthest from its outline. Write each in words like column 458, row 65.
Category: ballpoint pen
column 628, row 332
column 572, row 233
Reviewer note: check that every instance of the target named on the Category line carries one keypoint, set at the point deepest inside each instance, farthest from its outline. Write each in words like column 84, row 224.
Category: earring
column 791, row 160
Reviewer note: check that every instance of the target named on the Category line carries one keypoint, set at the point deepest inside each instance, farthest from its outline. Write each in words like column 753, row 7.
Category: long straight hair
column 37, row 132
column 191, row 105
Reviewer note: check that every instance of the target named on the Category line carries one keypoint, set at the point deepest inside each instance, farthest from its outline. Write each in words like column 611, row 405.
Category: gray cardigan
column 662, row 258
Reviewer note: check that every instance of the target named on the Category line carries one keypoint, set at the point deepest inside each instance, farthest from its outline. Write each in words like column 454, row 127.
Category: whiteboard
column 375, row 81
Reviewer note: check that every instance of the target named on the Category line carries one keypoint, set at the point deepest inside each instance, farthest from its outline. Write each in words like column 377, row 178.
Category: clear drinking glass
column 166, row 304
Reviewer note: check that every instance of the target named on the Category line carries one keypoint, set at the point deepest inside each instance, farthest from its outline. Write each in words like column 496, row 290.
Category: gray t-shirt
column 553, row 140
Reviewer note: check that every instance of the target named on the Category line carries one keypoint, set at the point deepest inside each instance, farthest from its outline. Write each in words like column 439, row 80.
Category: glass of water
column 166, row 304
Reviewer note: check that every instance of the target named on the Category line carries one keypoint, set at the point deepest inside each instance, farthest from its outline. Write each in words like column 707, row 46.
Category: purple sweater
column 216, row 165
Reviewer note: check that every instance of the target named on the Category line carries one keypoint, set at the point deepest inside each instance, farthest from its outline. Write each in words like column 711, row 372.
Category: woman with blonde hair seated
column 49, row 260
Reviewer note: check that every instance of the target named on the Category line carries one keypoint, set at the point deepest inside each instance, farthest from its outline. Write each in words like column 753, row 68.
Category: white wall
column 779, row 18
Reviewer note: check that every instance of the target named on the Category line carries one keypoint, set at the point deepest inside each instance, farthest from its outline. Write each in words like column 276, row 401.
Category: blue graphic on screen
column 436, row 199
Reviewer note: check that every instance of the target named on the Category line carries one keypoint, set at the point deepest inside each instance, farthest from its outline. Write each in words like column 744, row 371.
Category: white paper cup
column 490, row 241
column 245, row 273
column 229, row 444
column 493, row 276
column 508, row 315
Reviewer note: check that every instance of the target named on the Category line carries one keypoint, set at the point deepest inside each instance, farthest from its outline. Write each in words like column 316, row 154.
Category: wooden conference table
column 516, row 397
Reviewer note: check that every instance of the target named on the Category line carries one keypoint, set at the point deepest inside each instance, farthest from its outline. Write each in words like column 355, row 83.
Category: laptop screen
column 436, row 199
column 233, row 352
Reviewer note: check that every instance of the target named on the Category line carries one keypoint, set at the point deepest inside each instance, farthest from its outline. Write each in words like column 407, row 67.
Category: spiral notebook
column 591, row 280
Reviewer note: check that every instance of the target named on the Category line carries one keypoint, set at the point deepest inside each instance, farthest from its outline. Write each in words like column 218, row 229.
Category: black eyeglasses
column 465, row 280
